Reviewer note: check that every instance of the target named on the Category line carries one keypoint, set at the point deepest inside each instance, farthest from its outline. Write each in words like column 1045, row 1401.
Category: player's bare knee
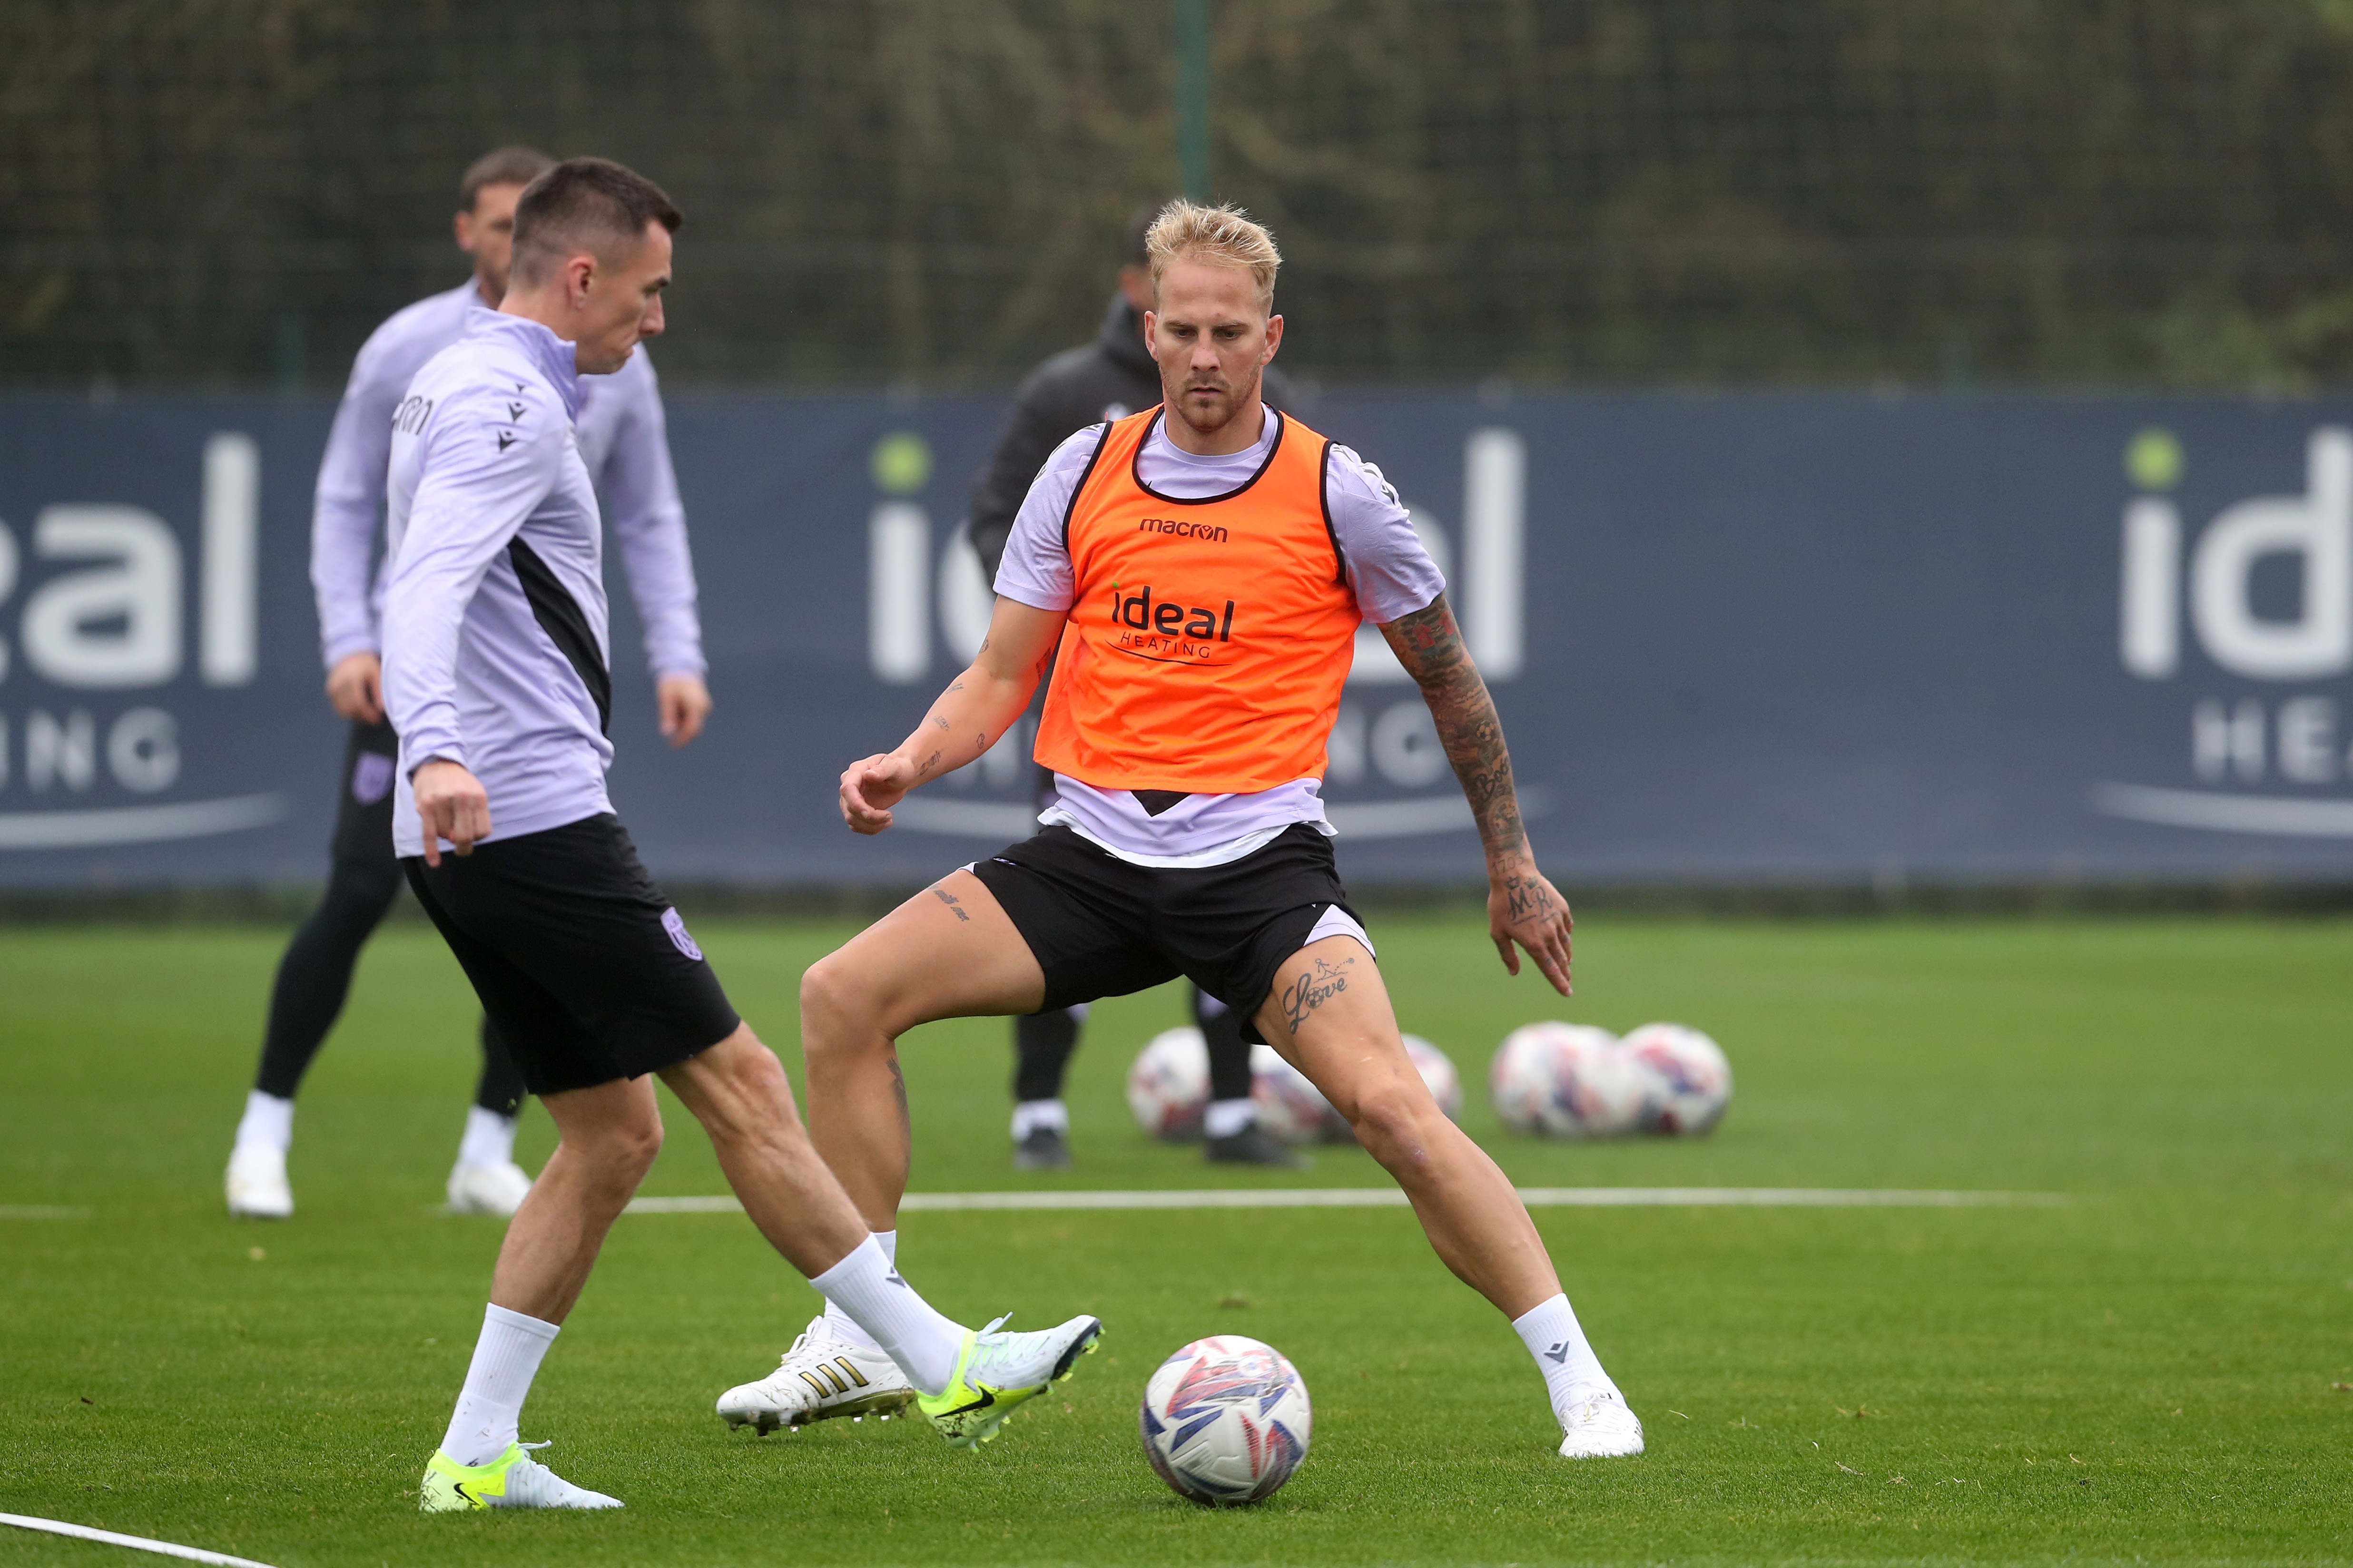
column 757, row 1070
column 1388, row 1121
column 637, row 1145
column 620, row 1152
column 833, row 1002
column 761, row 1095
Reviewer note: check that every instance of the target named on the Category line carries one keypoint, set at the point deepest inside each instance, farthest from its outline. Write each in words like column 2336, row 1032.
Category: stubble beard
column 1236, row 398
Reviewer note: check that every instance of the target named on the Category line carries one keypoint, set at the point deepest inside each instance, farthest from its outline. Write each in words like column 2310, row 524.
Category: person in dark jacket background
column 1109, row 378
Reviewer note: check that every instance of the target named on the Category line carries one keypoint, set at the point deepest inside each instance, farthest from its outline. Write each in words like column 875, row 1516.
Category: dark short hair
column 503, row 167
column 585, row 203
column 1139, row 224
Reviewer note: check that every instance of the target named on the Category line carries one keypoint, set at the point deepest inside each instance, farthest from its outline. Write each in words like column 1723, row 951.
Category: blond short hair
column 1221, row 235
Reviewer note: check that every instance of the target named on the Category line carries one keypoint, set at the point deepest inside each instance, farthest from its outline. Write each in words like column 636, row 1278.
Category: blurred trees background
column 1936, row 192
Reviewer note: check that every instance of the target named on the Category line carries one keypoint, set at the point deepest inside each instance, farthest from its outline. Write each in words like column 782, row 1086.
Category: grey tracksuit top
column 496, row 643
column 623, row 439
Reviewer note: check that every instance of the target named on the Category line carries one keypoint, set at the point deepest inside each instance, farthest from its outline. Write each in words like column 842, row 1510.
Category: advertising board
column 1792, row 637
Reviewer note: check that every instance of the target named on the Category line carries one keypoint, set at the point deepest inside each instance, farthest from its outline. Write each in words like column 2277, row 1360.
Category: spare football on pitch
column 1225, row 1421
column 1565, row 1081
column 1688, row 1082
column 1169, row 1084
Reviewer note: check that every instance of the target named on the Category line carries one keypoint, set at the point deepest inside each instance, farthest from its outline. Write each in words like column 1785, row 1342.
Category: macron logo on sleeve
column 506, row 439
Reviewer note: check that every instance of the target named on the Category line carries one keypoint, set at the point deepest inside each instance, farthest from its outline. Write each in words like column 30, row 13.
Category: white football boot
column 497, row 1189
column 1596, row 1425
column 999, row 1371
column 256, row 1183
column 822, row 1376
column 514, row 1480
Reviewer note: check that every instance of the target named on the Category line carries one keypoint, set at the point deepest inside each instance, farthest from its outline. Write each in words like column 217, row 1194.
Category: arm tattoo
column 1309, row 992
column 929, row 763
column 1430, row 644
column 940, row 721
column 951, row 901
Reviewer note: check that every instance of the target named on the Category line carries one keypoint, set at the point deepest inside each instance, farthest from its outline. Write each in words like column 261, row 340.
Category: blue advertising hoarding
column 1788, row 637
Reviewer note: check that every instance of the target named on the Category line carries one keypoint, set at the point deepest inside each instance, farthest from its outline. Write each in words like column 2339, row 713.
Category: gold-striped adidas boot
column 821, row 1377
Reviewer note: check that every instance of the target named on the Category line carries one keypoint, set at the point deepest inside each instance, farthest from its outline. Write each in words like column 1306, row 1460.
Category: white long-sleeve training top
column 496, row 639
column 623, row 439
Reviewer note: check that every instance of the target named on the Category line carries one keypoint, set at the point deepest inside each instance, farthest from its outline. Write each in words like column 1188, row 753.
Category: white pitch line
column 136, row 1542
column 1390, row 1197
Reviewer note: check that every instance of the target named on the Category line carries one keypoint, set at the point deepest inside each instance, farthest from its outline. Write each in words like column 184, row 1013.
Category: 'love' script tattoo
column 1309, row 992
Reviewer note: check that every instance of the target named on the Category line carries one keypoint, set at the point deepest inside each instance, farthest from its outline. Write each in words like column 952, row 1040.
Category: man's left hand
column 1525, row 908
column 685, row 703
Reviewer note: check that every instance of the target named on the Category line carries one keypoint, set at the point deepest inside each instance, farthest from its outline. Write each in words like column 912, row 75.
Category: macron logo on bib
column 1183, row 528
column 675, row 924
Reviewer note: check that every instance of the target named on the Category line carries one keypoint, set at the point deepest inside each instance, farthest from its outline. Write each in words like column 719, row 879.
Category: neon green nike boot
column 997, row 1373
column 514, row 1480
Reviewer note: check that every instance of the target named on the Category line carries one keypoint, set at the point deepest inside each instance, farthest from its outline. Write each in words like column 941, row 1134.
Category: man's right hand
column 452, row 804
column 355, row 686
column 870, row 788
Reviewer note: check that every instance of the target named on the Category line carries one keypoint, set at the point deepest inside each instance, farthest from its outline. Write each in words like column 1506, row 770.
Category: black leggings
column 1042, row 1044
column 315, row 976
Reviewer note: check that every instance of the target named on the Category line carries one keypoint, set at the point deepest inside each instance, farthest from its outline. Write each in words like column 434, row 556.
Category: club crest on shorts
column 675, row 923
column 371, row 777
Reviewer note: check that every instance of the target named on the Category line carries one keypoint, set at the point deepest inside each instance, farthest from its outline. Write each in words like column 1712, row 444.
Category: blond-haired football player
column 1200, row 571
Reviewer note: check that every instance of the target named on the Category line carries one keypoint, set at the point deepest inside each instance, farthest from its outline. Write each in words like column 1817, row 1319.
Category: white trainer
column 497, row 1189
column 256, row 1183
column 822, row 1376
column 1598, row 1426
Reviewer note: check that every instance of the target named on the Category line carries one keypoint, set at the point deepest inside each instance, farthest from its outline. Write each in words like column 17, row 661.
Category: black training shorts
column 363, row 821
column 1101, row 927
column 579, row 960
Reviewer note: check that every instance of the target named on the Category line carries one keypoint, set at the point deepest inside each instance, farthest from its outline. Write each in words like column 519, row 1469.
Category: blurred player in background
column 1203, row 569
column 1107, row 379
column 622, row 439
column 496, row 673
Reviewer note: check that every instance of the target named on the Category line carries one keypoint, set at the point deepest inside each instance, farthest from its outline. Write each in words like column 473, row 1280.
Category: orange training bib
column 1211, row 638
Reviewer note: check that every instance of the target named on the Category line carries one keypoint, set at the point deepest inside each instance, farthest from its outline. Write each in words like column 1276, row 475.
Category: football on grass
column 1690, row 1082
column 1225, row 1421
column 1567, row 1081
column 1170, row 1084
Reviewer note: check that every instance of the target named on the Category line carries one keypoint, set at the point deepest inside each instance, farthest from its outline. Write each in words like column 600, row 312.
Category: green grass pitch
column 2154, row 1371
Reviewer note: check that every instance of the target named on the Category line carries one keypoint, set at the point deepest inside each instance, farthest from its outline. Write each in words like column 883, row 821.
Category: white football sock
column 1224, row 1118
column 268, row 1123
column 1031, row 1114
column 844, row 1326
column 868, row 1289
column 490, row 1407
column 1551, row 1333
column 489, row 1139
